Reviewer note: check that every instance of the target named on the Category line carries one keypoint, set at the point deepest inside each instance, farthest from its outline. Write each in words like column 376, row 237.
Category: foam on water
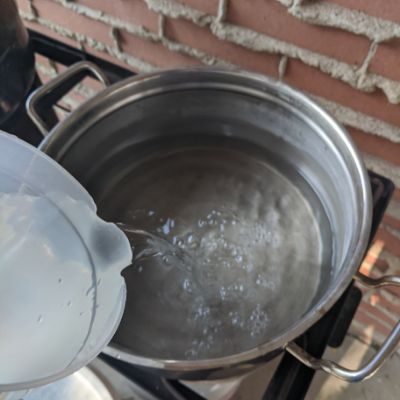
column 53, row 310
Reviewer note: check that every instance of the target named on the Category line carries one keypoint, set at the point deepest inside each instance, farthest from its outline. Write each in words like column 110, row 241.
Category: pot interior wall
column 296, row 142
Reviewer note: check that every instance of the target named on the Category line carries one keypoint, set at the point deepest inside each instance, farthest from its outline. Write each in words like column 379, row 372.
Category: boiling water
column 60, row 284
column 251, row 258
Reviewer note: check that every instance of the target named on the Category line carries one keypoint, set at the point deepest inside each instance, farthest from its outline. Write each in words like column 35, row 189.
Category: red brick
column 392, row 243
column 46, row 31
column 375, row 145
column 23, row 5
column 153, row 52
column 365, row 319
column 314, row 81
column 376, row 313
column 190, row 34
column 387, row 9
column 64, row 105
column 133, row 11
column 77, row 97
column 393, row 222
column 43, row 78
column 59, row 114
column 381, row 265
column 393, row 290
column 386, row 60
column 108, row 57
column 208, row 6
column 88, row 81
column 42, row 60
column 88, row 49
column 71, row 20
column 367, row 272
column 273, row 19
column 377, row 298
column 93, row 83
column 396, row 194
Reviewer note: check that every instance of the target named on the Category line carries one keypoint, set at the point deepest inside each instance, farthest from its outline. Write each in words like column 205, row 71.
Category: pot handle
column 48, row 94
column 369, row 369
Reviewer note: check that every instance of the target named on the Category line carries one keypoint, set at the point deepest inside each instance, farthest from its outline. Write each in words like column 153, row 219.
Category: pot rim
column 50, row 146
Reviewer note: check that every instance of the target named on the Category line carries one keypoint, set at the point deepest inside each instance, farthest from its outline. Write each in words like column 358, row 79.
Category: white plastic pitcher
column 61, row 292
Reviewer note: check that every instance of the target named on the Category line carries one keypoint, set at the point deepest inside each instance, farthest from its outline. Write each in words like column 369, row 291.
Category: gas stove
column 109, row 378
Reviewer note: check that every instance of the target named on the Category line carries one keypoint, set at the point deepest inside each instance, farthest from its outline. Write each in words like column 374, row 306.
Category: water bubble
column 40, row 319
column 190, row 353
column 69, row 303
column 118, row 356
column 60, row 280
column 167, row 261
column 186, row 284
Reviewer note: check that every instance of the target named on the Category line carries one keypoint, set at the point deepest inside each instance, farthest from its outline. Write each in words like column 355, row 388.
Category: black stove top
column 291, row 379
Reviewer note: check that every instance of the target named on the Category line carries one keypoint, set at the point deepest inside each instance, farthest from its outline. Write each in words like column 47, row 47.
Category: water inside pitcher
column 61, row 292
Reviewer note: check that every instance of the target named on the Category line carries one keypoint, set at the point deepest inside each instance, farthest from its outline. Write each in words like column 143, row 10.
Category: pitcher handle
column 376, row 362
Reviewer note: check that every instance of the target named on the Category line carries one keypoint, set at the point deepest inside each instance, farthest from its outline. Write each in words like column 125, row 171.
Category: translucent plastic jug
column 61, row 292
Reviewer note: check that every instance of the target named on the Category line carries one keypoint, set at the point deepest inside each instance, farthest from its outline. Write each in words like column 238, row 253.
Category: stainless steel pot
column 105, row 131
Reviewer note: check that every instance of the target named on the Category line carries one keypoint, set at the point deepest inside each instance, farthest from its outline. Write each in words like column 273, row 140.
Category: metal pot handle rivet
column 49, row 93
column 370, row 368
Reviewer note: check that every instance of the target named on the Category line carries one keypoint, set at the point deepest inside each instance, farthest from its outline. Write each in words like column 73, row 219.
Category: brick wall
column 344, row 53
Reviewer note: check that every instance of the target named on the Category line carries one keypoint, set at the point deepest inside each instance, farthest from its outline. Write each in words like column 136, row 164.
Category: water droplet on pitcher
column 40, row 319
column 167, row 261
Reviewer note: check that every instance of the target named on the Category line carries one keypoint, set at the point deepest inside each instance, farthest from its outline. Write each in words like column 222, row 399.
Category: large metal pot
column 105, row 132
